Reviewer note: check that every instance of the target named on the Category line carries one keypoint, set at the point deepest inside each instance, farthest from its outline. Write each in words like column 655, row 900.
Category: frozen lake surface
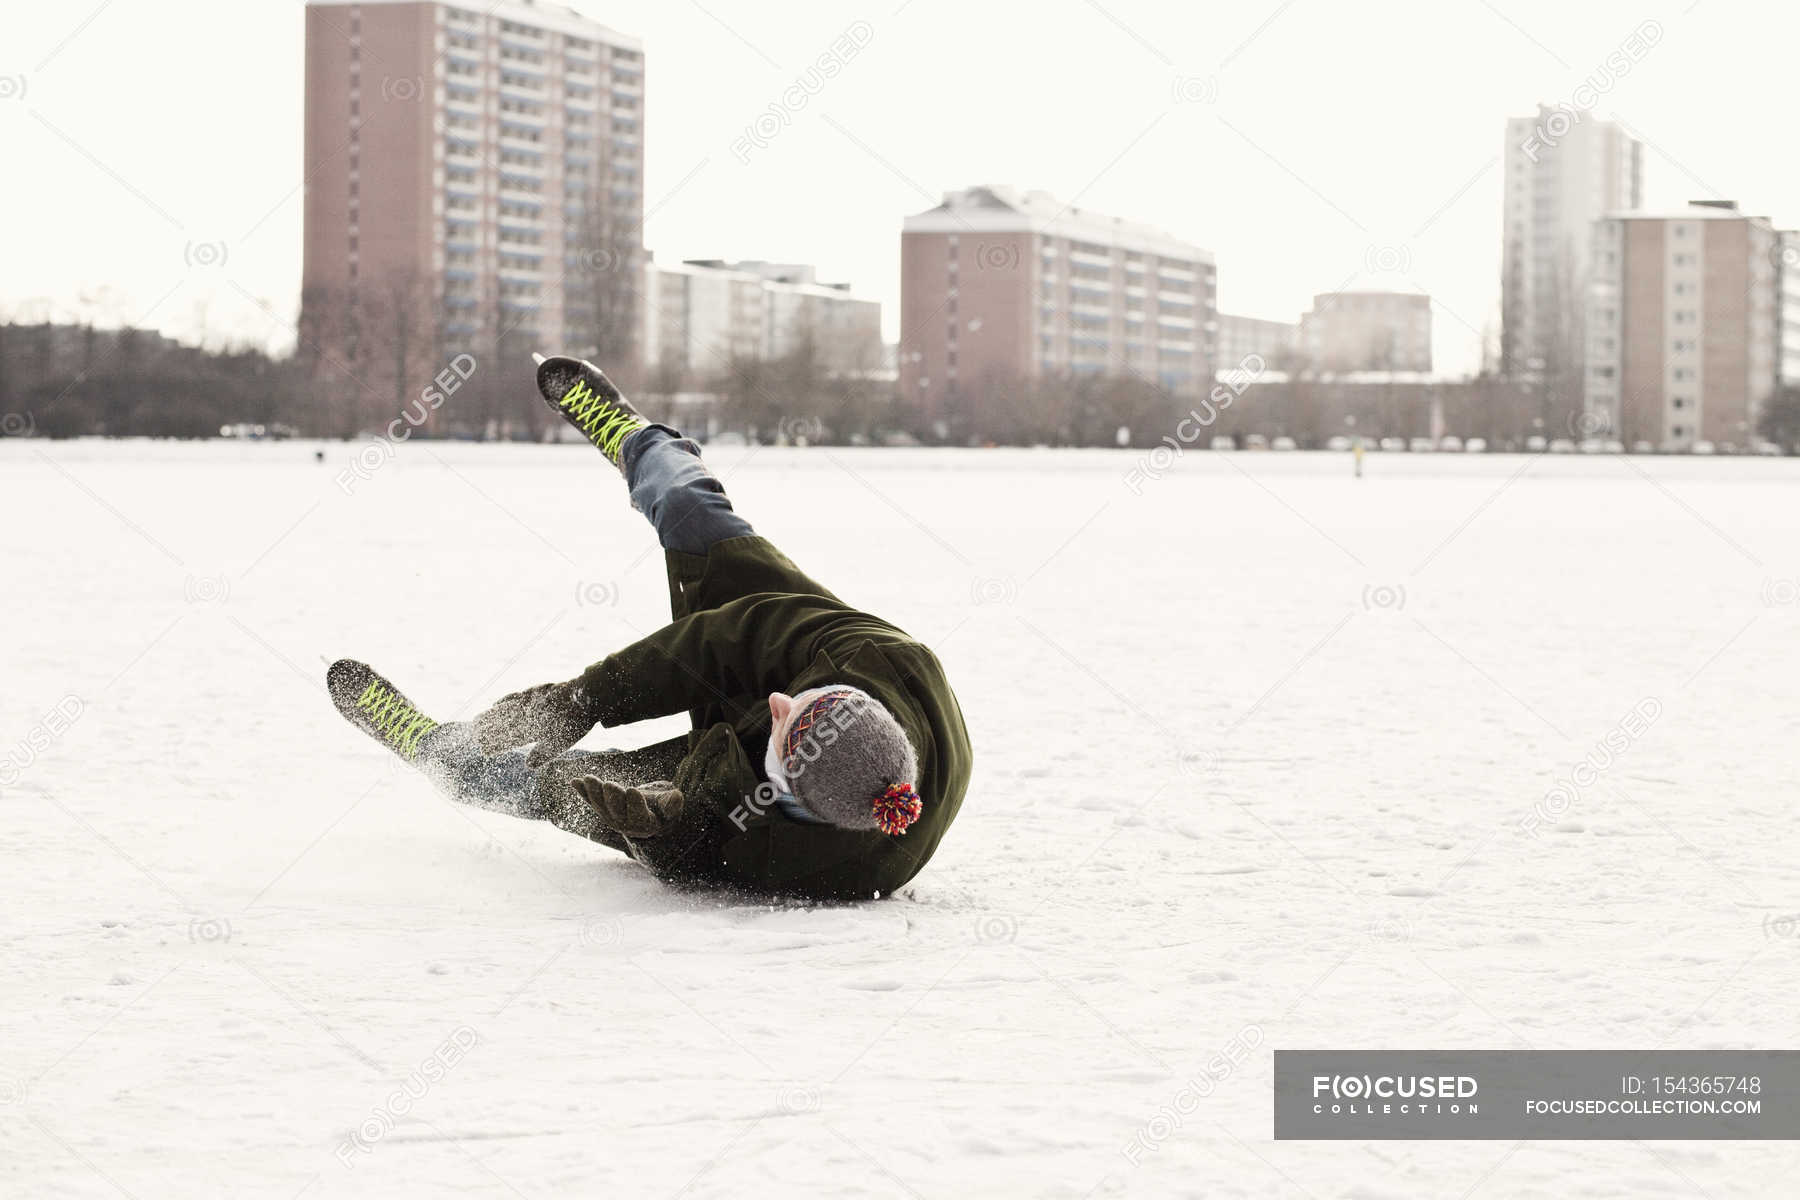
column 1265, row 757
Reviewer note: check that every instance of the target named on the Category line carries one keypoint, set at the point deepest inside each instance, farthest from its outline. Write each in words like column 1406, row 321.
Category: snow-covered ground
column 1266, row 757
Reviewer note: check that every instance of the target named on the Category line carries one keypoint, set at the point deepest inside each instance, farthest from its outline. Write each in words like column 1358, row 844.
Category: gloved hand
column 634, row 812
column 554, row 715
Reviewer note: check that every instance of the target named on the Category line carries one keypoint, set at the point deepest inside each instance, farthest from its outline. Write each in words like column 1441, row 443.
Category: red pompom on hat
column 897, row 808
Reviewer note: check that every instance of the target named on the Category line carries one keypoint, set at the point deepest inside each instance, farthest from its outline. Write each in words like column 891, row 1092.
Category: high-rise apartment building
column 1367, row 331
column 1562, row 174
column 1789, row 309
column 703, row 313
column 1683, row 327
column 474, row 182
column 999, row 286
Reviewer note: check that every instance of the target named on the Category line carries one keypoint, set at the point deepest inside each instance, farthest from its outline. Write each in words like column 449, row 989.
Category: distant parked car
column 1393, row 443
column 1283, row 443
column 1338, row 444
column 1256, row 441
column 1591, row 446
column 1642, row 447
column 1705, row 448
column 1421, row 445
column 1223, row 442
column 1450, row 444
column 1614, row 446
column 1562, row 446
column 1769, row 448
column 1536, row 444
column 1475, row 446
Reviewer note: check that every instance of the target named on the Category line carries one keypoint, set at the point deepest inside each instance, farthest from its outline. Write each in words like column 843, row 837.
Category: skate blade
column 537, row 358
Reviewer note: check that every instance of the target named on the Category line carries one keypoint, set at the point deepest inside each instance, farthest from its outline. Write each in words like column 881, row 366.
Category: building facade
column 705, row 312
column 1683, row 326
column 1367, row 331
column 1240, row 338
column 474, row 183
column 999, row 286
column 1561, row 176
column 1789, row 309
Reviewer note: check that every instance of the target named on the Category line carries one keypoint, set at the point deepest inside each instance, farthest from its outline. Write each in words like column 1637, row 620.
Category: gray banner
column 1541, row 1094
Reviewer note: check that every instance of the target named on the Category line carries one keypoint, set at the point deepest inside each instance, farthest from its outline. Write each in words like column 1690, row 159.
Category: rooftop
column 557, row 17
column 998, row 208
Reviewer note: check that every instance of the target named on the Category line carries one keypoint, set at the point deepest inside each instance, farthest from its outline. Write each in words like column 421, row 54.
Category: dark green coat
column 749, row 622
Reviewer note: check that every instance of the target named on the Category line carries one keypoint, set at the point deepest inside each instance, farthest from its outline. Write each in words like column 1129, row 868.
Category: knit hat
column 846, row 760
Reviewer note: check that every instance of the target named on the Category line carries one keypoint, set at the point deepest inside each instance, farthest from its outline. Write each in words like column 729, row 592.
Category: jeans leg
column 673, row 488
column 502, row 783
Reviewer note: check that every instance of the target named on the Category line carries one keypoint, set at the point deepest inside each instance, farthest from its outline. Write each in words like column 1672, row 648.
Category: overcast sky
column 1312, row 145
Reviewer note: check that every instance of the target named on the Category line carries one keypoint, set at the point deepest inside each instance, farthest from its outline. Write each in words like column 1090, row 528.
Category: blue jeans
column 672, row 487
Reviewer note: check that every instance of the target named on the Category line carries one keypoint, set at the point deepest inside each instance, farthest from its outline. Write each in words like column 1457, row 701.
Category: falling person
column 827, row 757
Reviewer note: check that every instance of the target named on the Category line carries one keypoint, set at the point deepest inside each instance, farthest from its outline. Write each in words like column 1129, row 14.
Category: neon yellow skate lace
column 606, row 425
column 399, row 723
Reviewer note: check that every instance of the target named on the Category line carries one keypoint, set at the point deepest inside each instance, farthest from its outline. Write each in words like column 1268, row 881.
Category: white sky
column 1312, row 144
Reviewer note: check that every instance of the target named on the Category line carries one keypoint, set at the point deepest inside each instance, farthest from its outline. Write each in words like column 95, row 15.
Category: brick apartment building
column 1684, row 325
column 474, row 182
column 1001, row 285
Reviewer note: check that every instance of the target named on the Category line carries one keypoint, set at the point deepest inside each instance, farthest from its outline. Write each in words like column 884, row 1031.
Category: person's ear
column 780, row 705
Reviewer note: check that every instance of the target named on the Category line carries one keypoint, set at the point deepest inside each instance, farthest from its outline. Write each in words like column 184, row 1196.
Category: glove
column 635, row 812
column 554, row 715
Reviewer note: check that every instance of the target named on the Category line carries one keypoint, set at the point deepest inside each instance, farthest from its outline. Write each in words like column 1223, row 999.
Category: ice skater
column 828, row 755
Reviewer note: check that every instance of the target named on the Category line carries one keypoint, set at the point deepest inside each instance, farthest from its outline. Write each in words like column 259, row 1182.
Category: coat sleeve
column 729, row 655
